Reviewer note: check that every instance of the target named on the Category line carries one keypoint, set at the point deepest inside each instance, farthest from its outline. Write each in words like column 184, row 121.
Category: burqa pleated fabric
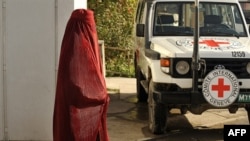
column 81, row 100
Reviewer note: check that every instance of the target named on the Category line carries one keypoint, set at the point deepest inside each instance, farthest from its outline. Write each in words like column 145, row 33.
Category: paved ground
column 127, row 119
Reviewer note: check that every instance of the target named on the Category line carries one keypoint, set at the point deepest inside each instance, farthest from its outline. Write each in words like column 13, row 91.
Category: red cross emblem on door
column 212, row 43
column 220, row 87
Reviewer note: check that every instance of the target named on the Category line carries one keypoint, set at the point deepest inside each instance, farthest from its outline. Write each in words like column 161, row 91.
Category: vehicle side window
column 141, row 12
column 137, row 17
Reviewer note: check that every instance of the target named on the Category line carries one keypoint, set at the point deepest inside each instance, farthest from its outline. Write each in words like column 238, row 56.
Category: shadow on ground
column 129, row 122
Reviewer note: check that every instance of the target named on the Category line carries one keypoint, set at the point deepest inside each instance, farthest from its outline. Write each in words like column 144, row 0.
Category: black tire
column 157, row 113
column 142, row 96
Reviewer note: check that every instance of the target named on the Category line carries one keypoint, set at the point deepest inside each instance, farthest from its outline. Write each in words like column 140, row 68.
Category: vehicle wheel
column 157, row 113
column 141, row 93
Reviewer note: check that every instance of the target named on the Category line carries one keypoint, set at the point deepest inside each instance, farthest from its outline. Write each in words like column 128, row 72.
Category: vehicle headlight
column 182, row 67
column 248, row 67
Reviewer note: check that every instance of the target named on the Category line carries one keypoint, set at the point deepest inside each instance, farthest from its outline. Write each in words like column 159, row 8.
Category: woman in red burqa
column 81, row 97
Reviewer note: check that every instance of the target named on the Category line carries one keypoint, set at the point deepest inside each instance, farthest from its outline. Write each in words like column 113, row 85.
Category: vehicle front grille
column 237, row 66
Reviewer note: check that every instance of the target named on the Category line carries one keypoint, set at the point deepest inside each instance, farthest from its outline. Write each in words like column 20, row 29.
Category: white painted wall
column 30, row 68
column 31, row 32
column 80, row 4
column 1, row 76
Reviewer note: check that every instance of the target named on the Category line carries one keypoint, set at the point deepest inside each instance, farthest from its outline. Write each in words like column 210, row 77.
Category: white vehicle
column 192, row 55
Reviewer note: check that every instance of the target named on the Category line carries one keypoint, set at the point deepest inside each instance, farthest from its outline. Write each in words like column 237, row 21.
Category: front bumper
column 190, row 98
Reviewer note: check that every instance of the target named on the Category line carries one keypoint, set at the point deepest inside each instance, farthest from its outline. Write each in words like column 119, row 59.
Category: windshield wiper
column 219, row 32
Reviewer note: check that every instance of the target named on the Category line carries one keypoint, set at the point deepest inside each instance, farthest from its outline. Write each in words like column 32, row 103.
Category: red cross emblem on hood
column 212, row 43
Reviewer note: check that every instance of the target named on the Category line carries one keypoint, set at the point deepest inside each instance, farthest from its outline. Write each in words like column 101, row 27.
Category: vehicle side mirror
column 152, row 54
column 140, row 30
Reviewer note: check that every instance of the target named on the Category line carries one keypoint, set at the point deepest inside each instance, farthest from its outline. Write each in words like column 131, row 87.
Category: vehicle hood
column 209, row 47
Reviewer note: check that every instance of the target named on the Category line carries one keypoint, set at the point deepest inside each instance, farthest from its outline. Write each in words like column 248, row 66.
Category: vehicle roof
column 244, row 0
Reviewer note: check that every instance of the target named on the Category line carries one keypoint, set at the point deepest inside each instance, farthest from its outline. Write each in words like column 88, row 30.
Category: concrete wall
column 31, row 32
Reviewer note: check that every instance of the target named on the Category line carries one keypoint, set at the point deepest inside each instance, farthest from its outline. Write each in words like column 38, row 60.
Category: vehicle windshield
column 215, row 19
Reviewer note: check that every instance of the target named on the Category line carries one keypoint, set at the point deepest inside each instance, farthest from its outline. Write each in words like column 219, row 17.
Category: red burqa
column 81, row 97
